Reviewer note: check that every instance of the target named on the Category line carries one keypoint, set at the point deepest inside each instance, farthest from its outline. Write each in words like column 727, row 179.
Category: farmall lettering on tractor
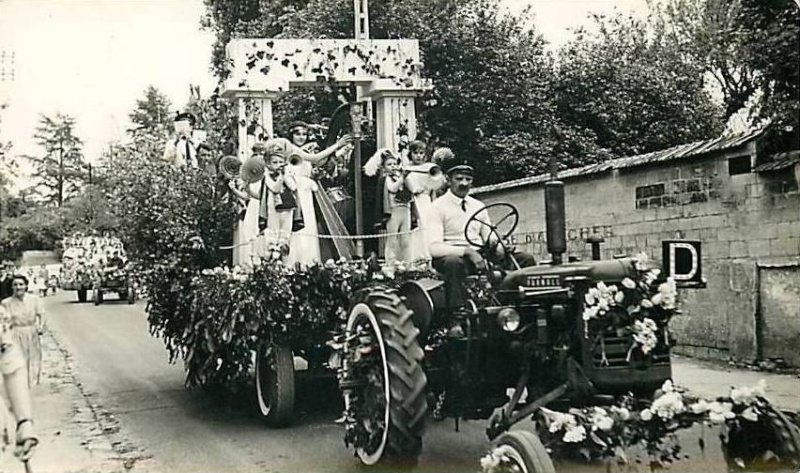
column 406, row 356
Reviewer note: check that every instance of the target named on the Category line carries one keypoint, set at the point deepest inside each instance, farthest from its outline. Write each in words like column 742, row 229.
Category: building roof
column 780, row 161
column 670, row 154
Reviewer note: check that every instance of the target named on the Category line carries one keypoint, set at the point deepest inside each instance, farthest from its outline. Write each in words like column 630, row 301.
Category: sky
column 93, row 58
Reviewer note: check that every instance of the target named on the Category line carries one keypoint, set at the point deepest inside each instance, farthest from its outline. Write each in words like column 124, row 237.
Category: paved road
column 126, row 372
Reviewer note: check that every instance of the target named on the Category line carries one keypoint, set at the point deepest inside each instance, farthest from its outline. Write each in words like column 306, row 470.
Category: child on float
column 304, row 245
column 279, row 188
column 246, row 235
column 424, row 182
column 394, row 204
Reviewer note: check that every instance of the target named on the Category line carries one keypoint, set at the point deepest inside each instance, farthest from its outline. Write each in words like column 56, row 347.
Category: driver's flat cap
column 461, row 169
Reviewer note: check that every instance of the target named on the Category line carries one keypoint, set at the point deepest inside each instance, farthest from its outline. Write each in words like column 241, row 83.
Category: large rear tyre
column 772, row 443
column 98, row 297
column 275, row 384
column 82, row 295
column 522, row 451
column 382, row 380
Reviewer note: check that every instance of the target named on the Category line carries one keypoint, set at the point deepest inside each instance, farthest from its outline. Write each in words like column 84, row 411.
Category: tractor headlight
column 508, row 319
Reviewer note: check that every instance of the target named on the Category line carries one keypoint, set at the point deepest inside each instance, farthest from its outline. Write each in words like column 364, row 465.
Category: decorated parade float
column 95, row 264
column 581, row 348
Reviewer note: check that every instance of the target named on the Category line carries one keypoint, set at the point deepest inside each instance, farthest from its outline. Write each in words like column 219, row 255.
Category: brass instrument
column 294, row 159
column 432, row 169
column 253, row 169
column 229, row 166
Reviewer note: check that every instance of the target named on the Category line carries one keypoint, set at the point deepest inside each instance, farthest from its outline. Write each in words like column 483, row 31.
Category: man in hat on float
column 180, row 150
column 452, row 255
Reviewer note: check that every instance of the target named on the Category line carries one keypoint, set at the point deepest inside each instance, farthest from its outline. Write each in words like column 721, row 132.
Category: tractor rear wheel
column 383, row 382
column 82, row 296
column 522, row 451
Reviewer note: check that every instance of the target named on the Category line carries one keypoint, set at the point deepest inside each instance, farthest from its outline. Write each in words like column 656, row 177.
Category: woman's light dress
column 304, row 244
column 21, row 317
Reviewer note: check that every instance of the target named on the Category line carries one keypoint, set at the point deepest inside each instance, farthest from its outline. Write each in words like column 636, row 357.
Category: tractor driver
column 452, row 255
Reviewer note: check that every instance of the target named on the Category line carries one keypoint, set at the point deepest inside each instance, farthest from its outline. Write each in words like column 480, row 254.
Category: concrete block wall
column 742, row 222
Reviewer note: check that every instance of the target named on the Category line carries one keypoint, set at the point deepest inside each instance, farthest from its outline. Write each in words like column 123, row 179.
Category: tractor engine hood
column 608, row 271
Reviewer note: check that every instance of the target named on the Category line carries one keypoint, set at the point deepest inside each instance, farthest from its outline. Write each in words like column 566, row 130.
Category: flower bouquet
column 754, row 434
column 638, row 309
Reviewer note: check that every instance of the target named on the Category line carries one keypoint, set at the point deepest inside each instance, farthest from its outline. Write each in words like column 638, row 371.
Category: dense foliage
column 499, row 100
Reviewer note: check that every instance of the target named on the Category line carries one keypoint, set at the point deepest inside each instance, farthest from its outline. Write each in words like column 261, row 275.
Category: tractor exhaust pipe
column 555, row 215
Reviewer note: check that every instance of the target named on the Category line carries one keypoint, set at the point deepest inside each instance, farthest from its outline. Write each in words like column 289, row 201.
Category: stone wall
column 742, row 220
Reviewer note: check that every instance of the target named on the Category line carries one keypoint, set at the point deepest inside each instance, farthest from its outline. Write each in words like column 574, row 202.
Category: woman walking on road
column 25, row 316
column 18, row 394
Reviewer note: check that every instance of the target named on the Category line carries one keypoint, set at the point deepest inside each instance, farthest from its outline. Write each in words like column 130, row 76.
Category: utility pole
column 361, row 26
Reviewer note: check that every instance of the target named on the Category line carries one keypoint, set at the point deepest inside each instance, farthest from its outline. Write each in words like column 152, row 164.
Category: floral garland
column 640, row 307
column 214, row 318
column 605, row 433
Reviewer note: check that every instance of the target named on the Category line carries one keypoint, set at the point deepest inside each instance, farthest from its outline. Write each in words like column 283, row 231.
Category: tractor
column 519, row 344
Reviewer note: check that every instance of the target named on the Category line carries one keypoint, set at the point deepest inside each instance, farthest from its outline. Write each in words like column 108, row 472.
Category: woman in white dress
column 17, row 392
column 304, row 247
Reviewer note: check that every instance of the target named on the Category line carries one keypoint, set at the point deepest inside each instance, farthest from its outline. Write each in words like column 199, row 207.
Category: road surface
column 126, row 374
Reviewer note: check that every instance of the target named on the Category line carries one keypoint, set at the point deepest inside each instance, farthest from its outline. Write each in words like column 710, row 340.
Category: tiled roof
column 670, row 154
column 780, row 161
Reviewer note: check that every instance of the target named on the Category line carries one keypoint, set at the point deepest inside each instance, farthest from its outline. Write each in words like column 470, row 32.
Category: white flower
column 667, row 387
column 719, row 412
column 558, row 420
column 751, row 414
column 646, row 415
column 590, row 312
column 603, row 305
column 647, row 304
column 575, row 434
column 601, row 420
column 656, row 299
column 601, row 286
column 619, row 297
column 628, row 283
column 589, row 298
column 700, row 407
column 623, row 412
column 490, row 462
column 668, row 405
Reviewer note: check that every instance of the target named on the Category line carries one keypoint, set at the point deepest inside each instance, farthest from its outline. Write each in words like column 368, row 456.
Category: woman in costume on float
column 304, row 245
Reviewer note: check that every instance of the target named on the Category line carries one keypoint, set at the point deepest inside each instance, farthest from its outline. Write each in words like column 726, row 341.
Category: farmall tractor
column 406, row 356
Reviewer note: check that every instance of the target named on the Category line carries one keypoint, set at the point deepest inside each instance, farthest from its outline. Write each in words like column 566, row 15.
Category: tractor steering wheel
column 500, row 232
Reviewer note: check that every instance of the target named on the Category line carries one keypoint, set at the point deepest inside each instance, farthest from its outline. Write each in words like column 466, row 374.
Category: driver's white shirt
column 448, row 219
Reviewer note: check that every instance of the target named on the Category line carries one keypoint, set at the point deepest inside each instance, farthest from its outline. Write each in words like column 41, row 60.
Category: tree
column 61, row 170
column 152, row 122
column 771, row 35
column 633, row 89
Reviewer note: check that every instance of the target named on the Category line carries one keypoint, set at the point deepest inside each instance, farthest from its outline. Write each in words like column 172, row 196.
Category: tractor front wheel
column 522, row 451
column 771, row 443
column 382, row 380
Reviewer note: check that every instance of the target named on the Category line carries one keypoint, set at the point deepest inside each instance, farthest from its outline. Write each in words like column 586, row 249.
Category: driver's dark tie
column 464, row 205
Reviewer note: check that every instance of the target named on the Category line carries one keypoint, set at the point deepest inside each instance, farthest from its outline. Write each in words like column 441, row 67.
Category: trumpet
column 431, row 169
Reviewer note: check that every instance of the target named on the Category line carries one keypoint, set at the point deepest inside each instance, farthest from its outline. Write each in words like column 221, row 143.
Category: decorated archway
column 385, row 73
